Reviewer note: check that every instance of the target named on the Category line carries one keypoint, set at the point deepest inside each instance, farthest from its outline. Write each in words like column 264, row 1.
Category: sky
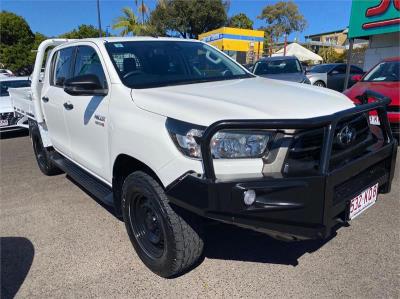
column 54, row 17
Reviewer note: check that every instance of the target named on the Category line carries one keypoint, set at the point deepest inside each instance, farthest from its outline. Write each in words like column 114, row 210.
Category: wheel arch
column 123, row 166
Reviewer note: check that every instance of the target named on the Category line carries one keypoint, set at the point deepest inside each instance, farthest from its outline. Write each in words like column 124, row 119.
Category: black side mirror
column 85, row 85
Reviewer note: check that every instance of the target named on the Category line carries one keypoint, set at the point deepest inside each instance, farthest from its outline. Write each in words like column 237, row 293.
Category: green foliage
column 330, row 55
column 240, row 21
column 14, row 29
column 128, row 22
column 16, row 41
column 83, row 31
column 282, row 18
column 188, row 18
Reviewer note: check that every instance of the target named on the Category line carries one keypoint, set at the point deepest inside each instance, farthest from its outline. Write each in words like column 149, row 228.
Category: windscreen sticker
column 118, row 45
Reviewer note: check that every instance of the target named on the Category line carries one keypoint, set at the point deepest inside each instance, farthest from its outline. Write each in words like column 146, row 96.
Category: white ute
column 172, row 132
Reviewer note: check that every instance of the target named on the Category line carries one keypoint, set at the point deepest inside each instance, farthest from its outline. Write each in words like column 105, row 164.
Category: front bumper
column 301, row 207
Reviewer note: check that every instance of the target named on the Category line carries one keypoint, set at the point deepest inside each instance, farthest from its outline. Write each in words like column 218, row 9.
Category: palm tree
column 128, row 23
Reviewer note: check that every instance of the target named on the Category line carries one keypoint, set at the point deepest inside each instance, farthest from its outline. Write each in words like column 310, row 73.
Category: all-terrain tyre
column 168, row 243
column 42, row 154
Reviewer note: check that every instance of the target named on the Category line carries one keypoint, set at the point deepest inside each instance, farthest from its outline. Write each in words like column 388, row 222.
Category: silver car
column 286, row 68
column 332, row 75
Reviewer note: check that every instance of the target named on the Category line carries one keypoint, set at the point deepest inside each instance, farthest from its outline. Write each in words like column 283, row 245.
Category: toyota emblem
column 346, row 135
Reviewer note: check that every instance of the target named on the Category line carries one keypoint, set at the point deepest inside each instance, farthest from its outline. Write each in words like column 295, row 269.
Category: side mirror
column 85, row 85
column 356, row 78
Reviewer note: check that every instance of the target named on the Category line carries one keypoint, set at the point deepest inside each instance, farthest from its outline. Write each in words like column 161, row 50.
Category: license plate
column 374, row 120
column 363, row 201
column 3, row 122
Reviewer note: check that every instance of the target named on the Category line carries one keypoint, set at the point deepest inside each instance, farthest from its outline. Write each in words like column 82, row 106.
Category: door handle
column 45, row 99
column 68, row 106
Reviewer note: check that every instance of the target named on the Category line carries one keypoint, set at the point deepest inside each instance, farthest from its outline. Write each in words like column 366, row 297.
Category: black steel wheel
column 146, row 223
column 166, row 241
column 42, row 154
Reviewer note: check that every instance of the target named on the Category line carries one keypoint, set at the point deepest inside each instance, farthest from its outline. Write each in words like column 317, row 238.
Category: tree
column 282, row 18
column 188, row 18
column 330, row 55
column 128, row 23
column 14, row 29
column 83, row 31
column 240, row 21
column 16, row 41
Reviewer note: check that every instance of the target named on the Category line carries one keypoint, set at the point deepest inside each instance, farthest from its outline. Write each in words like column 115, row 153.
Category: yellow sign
column 235, row 39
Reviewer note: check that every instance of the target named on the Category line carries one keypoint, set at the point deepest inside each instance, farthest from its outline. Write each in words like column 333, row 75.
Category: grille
column 305, row 151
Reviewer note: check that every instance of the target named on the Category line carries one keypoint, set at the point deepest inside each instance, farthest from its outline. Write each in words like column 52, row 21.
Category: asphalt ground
column 57, row 241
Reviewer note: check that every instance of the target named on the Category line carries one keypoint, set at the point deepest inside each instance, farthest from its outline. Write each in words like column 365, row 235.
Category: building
column 243, row 45
column 379, row 23
column 336, row 39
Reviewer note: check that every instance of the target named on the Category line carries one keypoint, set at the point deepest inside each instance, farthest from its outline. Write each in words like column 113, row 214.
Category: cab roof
column 132, row 38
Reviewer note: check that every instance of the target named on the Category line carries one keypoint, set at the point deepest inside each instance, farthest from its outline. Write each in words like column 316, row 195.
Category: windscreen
column 281, row 66
column 4, row 85
column 384, row 72
column 145, row 64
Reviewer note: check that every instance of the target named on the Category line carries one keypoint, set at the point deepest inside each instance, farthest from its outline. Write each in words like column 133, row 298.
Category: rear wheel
column 42, row 154
column 320, row 84
column 166, row 242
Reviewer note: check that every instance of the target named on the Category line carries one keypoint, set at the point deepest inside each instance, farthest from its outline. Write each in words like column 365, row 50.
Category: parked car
column 170, row 131
column 287, row 68
column 332, row 75
column 5, row 73
column 9, row 120
column 383, row 78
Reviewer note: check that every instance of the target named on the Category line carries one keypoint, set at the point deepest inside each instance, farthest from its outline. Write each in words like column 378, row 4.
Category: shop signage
column 371, row 17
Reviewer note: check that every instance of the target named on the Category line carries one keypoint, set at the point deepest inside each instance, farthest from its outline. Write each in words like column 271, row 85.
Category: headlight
column 239, row 144
column 227, row 144
column 184, row 136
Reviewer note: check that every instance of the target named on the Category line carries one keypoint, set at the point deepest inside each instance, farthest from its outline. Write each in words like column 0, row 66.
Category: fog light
column 249, row 197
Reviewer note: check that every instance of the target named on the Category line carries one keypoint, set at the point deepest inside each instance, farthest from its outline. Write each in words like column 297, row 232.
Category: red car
column 383, row 78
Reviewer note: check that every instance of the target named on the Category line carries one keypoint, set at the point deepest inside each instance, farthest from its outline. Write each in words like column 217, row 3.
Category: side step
column 91, row 184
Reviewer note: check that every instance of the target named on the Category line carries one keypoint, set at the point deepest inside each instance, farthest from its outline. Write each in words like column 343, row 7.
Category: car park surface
column 57, row 241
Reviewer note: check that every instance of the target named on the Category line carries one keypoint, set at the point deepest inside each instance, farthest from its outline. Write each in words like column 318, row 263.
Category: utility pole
column 142, row 13
column 284, row 48
column 98, row 17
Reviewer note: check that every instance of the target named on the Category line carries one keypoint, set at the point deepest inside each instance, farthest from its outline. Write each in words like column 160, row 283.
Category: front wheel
column 166, row 242
column 320, row 84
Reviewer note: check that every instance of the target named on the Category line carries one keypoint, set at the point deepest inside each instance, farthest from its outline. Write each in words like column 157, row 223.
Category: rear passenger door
column 87, row 115
column 53, row 97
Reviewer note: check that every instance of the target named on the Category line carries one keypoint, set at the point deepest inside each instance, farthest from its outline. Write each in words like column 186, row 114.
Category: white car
column 10, row 120
column 172, row 131
column 5, row 73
